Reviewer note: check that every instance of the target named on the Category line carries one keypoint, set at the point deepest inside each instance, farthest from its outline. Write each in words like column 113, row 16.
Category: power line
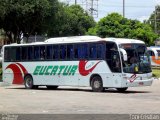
column 91, row 6
column 127, row 6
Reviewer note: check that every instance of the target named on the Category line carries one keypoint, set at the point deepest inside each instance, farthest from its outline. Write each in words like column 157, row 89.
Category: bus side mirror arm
column 124, row 53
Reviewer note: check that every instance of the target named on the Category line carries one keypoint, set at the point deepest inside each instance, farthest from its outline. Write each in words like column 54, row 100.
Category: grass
column 156, row 73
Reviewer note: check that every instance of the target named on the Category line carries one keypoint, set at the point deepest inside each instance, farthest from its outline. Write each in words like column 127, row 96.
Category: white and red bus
column 154, row 52
column 78, row 61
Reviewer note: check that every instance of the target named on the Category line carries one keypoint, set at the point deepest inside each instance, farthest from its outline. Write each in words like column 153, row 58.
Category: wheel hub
column 96, row 84
column 28, row 82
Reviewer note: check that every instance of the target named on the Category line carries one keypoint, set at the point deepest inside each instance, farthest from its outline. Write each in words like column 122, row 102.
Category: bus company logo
column 83, row 65
column 56, row 70
column 17, row 69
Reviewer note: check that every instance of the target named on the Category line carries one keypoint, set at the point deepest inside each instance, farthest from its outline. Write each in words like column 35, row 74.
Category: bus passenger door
column 114, row 63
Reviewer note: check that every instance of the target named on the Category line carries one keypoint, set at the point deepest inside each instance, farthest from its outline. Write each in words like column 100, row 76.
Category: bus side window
column 149, row 52
column 70, row 52
column 7, row 54
column 49, row 52
column 92, row 51
column 63, row 52
column 152, row 53
column 24, row 53
column 36, row 53
column 79, row 51
column 30, row 53
column 158, row 53
column 55, row 52
column 18, row 54
column 84, row 51
column 76, row 51
column 100, row 51
column 42, row 52
column 13, row 53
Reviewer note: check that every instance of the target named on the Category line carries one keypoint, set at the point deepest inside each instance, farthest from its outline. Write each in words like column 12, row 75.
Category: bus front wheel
column 97, row 84
column 28, row 82
column 122, row 89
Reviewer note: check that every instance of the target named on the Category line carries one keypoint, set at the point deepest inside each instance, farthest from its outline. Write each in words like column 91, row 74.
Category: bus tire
column 52, row 87
column 28, row 82
column 97, row 84
column 122, row 89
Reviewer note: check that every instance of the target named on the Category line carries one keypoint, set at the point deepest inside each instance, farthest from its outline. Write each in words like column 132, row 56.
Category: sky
column 134, row 9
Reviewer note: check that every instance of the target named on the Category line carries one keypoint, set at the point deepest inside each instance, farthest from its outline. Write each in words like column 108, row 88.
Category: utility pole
column 155, row 20
column 92, row 7
column 123, row 8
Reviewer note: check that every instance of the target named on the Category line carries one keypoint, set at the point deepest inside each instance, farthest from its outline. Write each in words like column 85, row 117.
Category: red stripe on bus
column 82, row 65
column 23, row 68
column 17, row 79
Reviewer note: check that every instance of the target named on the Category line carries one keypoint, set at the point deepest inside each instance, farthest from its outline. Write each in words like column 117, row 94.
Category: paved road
column 16, row 99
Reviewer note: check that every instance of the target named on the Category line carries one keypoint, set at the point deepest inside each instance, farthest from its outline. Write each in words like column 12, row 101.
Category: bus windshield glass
column 138, row 59
column 158, row 52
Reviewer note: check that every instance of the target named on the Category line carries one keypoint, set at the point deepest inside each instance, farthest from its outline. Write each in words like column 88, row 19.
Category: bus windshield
column 158, row 52
column 138, row 59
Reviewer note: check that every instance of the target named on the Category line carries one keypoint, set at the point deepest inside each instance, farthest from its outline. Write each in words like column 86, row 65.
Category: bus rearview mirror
column 124, row 54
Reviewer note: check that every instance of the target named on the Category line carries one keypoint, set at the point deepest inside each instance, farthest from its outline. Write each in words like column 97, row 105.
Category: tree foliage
column 114, row 25
column 48, row 17
column 69, row 21
column 155, row 17
column 23, row 16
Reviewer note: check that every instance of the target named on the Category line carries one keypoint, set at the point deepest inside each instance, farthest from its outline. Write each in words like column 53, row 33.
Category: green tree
column 154, row 20
column 23, row 16
column 114, row 25
column 69, row 21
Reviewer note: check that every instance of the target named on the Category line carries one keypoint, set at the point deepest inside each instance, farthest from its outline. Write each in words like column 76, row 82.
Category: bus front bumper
column 139, row 83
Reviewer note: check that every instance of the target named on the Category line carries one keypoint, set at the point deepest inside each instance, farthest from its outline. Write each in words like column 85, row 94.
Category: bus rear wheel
column 122, row 89
column 97, row 84
column 28, row 82
column 52, row 87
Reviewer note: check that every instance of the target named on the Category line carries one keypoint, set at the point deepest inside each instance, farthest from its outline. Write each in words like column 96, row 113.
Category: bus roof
column 73, row 39
column 153, row 48
column 123, row 40
column 91, row 39
column 79, row 39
